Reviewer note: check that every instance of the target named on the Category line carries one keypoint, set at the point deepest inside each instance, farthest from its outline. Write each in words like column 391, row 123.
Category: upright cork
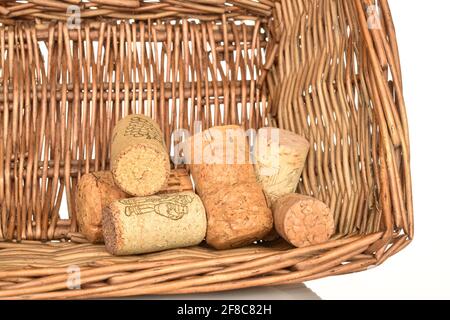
column 280, row 156
column 219, row 157
column 139, row 160
column 224, row 177
column 94, row 192
column 155, row 223
column 302, row 220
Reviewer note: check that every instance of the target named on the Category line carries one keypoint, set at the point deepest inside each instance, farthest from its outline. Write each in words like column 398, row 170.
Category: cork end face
column 280, row 158
column 142, row 170
column 94, row 191
column 303, row 220
column 89, row 208
column 111, row 231
column 289, row 138
column 282, row 137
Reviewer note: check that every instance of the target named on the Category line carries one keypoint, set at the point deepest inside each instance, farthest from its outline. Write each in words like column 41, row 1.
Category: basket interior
column 65, row 85
column 184, row 74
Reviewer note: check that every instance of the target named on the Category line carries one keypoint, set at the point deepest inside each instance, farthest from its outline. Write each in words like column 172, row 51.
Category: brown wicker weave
column 327, row 69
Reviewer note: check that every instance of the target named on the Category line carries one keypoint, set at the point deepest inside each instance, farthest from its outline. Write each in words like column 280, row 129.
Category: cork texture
column 94, row 192
column 237, row 216
column 139, row 160
column 179, row 180
column 216, row 160
column 279, row 160
column 154, row 223
column 302, row 220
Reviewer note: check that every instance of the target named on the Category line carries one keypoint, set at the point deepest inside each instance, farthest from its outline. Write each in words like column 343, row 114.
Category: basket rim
column 202, row 10
column 179, row 271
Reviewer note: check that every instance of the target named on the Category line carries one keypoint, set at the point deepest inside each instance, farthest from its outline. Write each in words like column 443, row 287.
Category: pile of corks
column 240, row 198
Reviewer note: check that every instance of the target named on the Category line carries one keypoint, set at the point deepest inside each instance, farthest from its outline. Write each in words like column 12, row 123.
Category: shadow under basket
column 326, row 69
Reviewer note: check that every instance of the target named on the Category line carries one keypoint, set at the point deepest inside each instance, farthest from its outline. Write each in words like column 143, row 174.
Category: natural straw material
column 155, row 223
column 95, row 191
column 328, row 70
column 139, row 159
column 302, row 220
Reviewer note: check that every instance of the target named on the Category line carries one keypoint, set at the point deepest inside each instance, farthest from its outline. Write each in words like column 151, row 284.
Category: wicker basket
column 327, row 69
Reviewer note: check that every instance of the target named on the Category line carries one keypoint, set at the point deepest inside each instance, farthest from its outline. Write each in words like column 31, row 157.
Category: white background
column 422, row 270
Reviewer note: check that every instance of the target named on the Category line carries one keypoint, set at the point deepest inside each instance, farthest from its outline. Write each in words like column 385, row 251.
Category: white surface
column 289, row 292
column 422, row 270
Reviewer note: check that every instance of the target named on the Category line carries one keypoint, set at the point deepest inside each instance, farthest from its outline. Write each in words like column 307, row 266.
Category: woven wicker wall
column 307, row 66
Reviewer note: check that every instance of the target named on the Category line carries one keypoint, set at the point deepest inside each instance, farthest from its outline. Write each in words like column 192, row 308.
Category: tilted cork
column 302, row 220
column 237, row 216
column 154, row 223
column 219, row 157
column 280, row 156
column 94, row 192
column 139, row 160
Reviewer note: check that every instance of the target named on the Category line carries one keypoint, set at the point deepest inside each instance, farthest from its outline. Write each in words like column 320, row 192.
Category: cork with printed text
column 154, row 223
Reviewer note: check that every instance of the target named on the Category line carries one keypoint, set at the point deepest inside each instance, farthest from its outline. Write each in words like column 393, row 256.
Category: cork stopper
column 112, row 229
column 94, row 192
column 139, row 160
column 280, row 157
column 219, row 157
column 302, row 220
column 155, row 223
column 220, row 164
column 237, row 216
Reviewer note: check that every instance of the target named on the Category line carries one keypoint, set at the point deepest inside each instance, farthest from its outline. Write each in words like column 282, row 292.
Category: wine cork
column 94, row 192
column 219, row 157
column 225, row 179
column 179, row 180
column 139, row 160
column 155, row 223
column 302, row 220
column 237, row 216
column 279, row 160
